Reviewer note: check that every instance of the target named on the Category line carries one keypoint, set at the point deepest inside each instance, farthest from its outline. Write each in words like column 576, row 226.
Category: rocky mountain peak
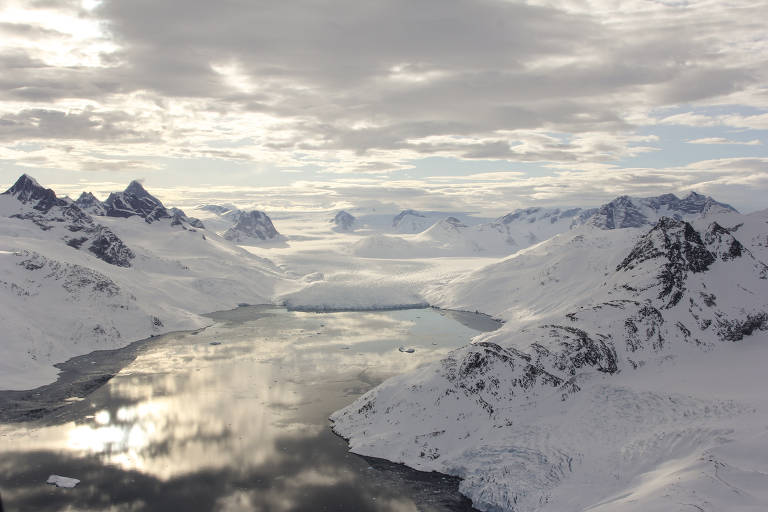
column 679, row 249
column 51, row 214
column 91, row 204
column 135, row 200
column 179, row 218
column 629, row 212
column 87, row 199
column 343, row 221
column 28, row 190
column 136, row 188
column 722, row 243
column 251, row 225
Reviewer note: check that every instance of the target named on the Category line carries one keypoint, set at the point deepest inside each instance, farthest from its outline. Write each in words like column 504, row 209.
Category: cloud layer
column 339, row 89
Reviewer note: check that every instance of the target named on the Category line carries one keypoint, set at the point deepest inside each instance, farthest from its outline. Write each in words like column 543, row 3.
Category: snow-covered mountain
column 343, row 221
column 633, row 212
column 134, row 200
column 71, row 283
column 90, row 204
column 591, row 395
column 411, row 221
column 449, row 236
column 251, row 226
column 63, row 220
column 239, row 226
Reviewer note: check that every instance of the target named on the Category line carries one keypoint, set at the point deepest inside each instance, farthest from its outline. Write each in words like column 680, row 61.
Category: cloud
column 722, row 140
column 365, row 89
column 55, row 124
column 487, row 193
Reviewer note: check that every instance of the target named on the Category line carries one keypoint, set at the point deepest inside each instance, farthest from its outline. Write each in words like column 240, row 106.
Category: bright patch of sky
column 466, row 105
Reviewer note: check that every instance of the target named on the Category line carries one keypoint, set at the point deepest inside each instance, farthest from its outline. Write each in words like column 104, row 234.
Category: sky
column 472, row 105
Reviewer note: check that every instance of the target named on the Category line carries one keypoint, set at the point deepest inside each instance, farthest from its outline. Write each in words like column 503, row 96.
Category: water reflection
column 246, row 420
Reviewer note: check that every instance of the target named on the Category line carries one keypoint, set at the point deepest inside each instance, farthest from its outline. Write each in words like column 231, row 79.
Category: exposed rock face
column 44, row 209
column 343, row 221
column 179, row 218
column 629, row 212
column 253, row 225
column 75, row 279
column 107, row 246
column 28, row 190
column 134, row 200
column 91, row 204
column 682, row 251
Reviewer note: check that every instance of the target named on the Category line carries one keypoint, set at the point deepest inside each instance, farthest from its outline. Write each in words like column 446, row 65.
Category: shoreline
column 81, row 375
column 78, row 377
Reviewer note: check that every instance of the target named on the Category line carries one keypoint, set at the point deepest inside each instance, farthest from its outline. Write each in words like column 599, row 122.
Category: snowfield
column 622, row 379
column 628, row 374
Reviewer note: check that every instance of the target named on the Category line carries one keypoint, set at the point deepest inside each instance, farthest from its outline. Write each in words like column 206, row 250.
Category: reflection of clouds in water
column 285, row 493
column 194, row 429
column 184, row 406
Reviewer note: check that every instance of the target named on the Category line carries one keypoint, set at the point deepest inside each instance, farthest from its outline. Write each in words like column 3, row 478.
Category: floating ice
column 62, row 481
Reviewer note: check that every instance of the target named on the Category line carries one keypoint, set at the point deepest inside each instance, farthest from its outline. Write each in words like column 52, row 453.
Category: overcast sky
column 480, row 105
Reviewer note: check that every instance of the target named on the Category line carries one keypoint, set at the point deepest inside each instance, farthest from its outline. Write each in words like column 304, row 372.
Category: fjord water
column 234, row 417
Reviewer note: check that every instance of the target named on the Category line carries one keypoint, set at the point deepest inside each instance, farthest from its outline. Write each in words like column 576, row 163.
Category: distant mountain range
column 134, row 201
column 449, row 236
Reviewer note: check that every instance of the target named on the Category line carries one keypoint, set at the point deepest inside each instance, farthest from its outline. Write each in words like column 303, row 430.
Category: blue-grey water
column 234, row 418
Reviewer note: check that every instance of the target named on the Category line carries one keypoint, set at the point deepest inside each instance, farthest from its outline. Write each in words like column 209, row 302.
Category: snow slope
column 71, row 283
column 595, row 393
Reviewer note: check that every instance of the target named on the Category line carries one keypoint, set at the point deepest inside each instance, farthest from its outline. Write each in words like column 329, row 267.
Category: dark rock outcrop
column 91, row 204
column 179, row 218
column 47, row 211
column 629, row 212
column 27, row 190
column 135, row 201
column 680, row 249
column 343, row 221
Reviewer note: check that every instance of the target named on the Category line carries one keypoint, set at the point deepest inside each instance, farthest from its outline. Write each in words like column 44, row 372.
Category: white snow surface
column 605, row 389
column 450, row 236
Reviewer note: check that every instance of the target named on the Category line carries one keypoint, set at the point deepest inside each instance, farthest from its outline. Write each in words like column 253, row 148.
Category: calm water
column 240, row 425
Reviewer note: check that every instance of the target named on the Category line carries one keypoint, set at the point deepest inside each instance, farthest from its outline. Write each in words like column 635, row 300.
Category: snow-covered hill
column 592, row 396
column 71, row 282
column 411, row 221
